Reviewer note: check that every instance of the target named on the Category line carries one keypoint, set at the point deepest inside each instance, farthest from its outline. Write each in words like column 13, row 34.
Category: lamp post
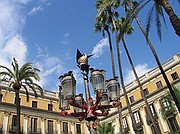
column 107, row 94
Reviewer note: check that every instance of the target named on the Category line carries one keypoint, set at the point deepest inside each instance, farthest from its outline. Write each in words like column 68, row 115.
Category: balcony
column 34, row 131
column 51, row 131
column 138, row 126
column 148, row 119
column 66, row 132
column 1, row 129
column 126, row 130
column 12, row 130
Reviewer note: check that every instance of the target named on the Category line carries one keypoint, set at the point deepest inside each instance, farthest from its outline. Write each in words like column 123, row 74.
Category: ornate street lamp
column 106, row 92
column 98, row 80
column 68, row 83
column 113, row 89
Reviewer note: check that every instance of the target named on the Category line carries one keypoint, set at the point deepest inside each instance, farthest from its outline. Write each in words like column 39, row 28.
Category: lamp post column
column 85, row 71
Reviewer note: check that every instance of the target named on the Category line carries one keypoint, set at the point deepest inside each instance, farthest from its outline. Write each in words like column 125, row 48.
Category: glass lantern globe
column 68, row 83
column 79, row 100
column 104, row 100
column 64, row 105
column 97, row 80
column 113, row 89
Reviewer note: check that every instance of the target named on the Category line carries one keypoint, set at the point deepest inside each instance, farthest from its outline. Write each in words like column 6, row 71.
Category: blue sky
column 48, row 32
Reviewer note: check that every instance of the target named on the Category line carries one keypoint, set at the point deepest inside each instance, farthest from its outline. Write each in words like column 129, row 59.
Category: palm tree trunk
column 18, row 111
column 159, row 65
column 121, row 75
column 155, row 125
column 111, row 52
column 175, row 21
column 114, row 76
column 123, row 86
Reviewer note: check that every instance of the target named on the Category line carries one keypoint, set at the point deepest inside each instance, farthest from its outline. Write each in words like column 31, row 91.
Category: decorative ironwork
column 107, row 94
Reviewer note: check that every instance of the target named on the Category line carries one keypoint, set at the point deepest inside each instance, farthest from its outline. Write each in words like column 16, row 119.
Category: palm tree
column 158, row 6
column 124, row 25
column 21, row 77
column 105, row 6
column 105, row 128
column 156, row 12
column 101, row 24
column 134, row 15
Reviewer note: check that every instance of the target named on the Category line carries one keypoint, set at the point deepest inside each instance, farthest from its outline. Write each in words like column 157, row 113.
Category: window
column 34, row 104
column 159, row 84
column 120, row 106
column 174, row 76
column 145, row 91
column 172, row 123
column 151, row 106
column 124, row 122
column 33, row 124
column 137, row 117
column 165, row 103
column 50, row 126
column 131, row 99
column 1, row 95
column 65, row 127
column 50, row 107
column 78, row 128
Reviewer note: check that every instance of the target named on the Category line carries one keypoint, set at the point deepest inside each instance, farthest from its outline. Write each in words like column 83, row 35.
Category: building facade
column 155, row 89
column 41, row 115
column 38, row 116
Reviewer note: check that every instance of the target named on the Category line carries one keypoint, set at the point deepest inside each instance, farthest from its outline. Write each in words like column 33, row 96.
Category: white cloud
column 12, row 44
column 16, row 48
column 35, row 10
column 140, row 69
column 50, row 67
column 99, row 48
column 12, row 20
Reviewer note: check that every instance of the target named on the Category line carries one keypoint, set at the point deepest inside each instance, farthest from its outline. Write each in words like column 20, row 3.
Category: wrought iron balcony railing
column 51, row 131
column 1, row 128
column 69, row 132
column 12, row 130
column 34, row 131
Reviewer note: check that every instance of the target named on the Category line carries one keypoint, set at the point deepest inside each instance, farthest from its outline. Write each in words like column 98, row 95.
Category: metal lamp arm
column 113, row 105
column 104, row 113
column 98, row 99
column 73, row 102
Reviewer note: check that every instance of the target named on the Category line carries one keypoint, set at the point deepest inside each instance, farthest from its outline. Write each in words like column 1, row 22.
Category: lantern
column 104, row 100
column 79, row 100
column 113, row 89
column 98, row 80
column 63, row 104
column 68, row 83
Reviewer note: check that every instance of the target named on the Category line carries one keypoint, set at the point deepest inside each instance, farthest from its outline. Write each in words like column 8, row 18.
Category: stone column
column 143, row 115
column 116, row 124
column 162, row 121
column 43, row 123
column 72, row 127
column 59, row 127
column 5, row 123
column 86, row 131
column 25, row 128
column 130, row 124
